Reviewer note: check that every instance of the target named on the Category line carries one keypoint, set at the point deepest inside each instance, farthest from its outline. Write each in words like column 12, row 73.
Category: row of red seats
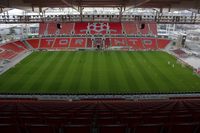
column 97, row 118
column 119, row 116
column 57, row 43
column 51, row 28
column 133, row 43
column 132, row 28
column 143, row 128
column 10, row 50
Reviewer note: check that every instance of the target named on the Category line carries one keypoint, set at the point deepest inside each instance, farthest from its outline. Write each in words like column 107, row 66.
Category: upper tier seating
column 102, row 116
column 145, row 30
column 66, row 28
column 134, row 28
column 99, row 28
column 115, row 28
column 42, row 28
column 153, row 28
column 52, row 28
column 130, row 28
column 81, row 28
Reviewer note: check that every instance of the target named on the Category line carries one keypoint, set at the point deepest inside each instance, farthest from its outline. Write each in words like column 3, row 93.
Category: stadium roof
column 100, row 3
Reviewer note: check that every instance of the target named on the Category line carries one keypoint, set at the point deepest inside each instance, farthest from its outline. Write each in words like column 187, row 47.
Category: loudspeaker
column 59, row 26
column 142, row 26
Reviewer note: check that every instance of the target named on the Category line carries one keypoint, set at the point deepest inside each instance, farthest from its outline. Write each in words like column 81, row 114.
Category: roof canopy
column 101, row 3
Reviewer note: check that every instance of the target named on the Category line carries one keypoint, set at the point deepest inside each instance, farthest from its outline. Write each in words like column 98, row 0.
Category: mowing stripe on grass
column 41, row 74
column 86, row 73
column 134, row 71
column 65, row 73
column 114, row 81
column 152, row 86
column 56, row 78
column 19, row 69
column 76, row 77
column 103, row 73
column 94, row 82
column 127, row 73
column 25, row 75
column 161, row 79
column 51, row 81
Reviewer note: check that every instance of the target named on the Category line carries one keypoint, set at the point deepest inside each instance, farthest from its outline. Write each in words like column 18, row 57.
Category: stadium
column 122, row 66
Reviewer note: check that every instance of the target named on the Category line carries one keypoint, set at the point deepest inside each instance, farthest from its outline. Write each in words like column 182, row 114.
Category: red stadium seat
column 149, row 43
column 33, row 42
column 112, row 129
column 66, row 28
column 76, row 129
column 61, row 43
column 81, row 28
column 78, row 43
column 31, row 120
column 118, row 42
column 131, row 28
column 47, row 43
column 162, row 43
column 40, row 128
column 115, row 28
column 150, row 128
column 20, row 44
column 183, row 128
column 9, row 128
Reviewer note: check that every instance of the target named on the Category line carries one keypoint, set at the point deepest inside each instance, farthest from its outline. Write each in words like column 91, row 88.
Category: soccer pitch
column 99, row 72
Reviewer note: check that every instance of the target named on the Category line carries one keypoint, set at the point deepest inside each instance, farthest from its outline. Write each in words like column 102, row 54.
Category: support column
column 81, row 13
column 120, row 13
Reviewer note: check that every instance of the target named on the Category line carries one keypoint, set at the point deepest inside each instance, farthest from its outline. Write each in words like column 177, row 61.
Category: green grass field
column 98, row 72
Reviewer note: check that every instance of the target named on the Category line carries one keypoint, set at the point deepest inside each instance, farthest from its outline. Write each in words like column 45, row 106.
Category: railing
column 160, row 18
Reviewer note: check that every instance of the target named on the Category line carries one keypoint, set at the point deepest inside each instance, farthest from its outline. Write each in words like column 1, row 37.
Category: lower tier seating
column 61, row 43
column 162, row 43
column 132, row 43
column 7, row 54
column 78, row 43
column 33, row 42
column 118, row 42
column 135, row 43
column 12, row 49
column 47, row 43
